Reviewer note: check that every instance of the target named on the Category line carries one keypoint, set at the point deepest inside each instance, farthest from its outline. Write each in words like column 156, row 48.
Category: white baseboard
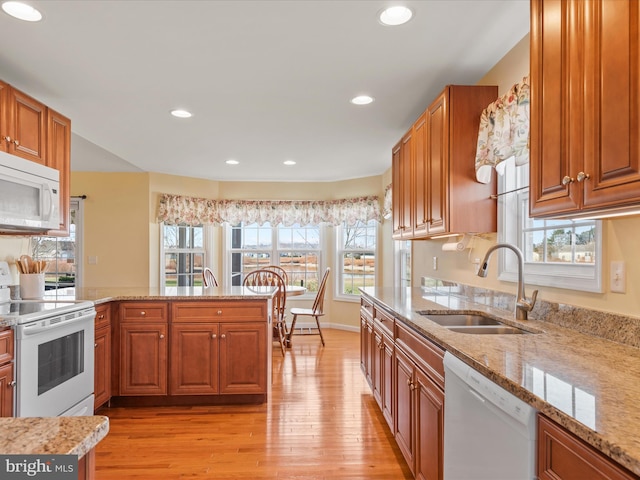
column 336, row 326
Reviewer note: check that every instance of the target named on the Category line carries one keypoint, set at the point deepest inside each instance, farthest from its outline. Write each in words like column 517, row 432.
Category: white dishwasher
column 488, row 432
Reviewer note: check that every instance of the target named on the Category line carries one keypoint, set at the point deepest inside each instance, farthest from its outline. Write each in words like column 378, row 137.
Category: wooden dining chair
column 209, row 278
column 316, row 311
column 269, row 278
column 280, row 271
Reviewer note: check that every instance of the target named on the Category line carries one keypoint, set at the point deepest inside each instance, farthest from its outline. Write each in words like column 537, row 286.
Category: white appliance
column 489, row 434
column 29, row 195
column 54, row 354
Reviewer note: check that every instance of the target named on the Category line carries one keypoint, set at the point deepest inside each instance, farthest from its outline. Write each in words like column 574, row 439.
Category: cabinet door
column 387, row 381
column 420, row 177
column 364, row 347
column 59, row 157
column 243, row 353
column 143, row 360
column 6, row 390
column 194, row 359
column 404, row 425
column 612, row 122
column 102, row 366
column 27, row 124
column 562, row 456
column 4, row 116
column 429, row 428
column 376, row 378
column 438, row 161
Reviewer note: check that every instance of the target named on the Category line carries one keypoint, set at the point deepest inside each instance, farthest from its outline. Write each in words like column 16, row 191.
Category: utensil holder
column 32, row 286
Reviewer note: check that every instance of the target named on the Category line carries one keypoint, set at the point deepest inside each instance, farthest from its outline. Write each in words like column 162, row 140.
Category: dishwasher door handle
column 477, row 395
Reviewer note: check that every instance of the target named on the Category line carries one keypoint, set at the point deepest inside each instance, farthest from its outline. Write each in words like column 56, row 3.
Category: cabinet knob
column 161, row 336
column 12, row 383
column 409, row 381
column 17, row 143
column 100, row 317
column 7, row 139
column 219, row 312
column 213, row 335
column 95, row 345
column 223, row 336
column 583, row 176
column 143, row 313
column 567, row 180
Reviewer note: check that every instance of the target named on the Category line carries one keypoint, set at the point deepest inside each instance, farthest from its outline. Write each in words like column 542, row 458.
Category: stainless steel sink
column 489, row 330
column 471, row 323
column 459, row 319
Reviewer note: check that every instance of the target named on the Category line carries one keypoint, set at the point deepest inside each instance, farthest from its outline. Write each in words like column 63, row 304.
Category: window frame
column 513, row 201
column 339, row 263
column 274, row 251
column 206, row 249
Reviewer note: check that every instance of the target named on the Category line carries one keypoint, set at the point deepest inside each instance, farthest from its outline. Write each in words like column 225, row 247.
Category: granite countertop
column 52, row 435
column 585, row 383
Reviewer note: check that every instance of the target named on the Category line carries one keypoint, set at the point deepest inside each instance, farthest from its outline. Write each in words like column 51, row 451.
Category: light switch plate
column 618, row 277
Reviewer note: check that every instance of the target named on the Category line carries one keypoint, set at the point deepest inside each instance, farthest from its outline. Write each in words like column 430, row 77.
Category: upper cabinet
column 435, row 191
column 31, row 130
column 585, row 107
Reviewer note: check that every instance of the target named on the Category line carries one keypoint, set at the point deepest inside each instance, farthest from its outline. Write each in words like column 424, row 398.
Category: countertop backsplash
column 610, row 326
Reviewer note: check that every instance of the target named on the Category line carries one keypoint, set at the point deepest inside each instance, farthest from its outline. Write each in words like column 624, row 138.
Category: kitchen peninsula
column 584, row 383
column 180, row 345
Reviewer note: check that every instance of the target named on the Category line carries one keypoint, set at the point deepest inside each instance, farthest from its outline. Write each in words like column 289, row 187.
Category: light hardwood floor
column 321, row 423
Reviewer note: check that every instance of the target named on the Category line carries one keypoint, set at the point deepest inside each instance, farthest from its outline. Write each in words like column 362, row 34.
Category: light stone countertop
column 52, row 435
column 587, row 384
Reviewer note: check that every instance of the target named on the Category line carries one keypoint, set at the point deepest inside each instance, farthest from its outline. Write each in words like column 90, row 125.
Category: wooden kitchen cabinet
column 382, row 379
column 563, row 456
column 585, row 111
column 438, row 192
column 144, row 348
column 102, row 355
column 218, row 348
column 367, row 340
column 7, row 379
column 24, row 125
column 59, row 158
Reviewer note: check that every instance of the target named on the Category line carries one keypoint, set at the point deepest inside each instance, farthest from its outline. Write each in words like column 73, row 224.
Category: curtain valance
column 504, row 132
column 177, row 209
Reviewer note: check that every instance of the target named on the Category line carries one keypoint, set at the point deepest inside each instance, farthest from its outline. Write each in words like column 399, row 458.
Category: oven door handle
column 36, row 328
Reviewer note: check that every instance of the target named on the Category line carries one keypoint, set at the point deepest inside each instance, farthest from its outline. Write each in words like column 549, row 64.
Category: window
column 557, row 253
column 297, row 249
column 183, row 253
column 62, row 253
column 356, row 256
column 402, row 264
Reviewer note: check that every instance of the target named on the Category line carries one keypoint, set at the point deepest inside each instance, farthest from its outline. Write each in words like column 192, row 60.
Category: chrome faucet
column 523, row 306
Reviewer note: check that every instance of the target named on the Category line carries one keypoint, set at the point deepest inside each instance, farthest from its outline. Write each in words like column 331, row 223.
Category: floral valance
column 504, row 132
column 177, row 209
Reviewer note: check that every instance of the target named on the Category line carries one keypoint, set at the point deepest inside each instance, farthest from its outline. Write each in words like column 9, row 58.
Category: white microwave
column 29, row 196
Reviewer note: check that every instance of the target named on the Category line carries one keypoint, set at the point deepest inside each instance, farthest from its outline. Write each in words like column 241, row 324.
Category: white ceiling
column 266, row 81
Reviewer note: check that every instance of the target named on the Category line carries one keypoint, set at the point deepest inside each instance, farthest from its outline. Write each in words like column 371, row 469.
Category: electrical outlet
column 435, row 263
column 618, row 277
column 92, row 260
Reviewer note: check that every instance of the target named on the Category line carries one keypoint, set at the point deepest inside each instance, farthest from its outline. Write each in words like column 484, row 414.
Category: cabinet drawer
column 218, row 311
column 136, row 311
column 103, row 315
column 6, row 346
column 366, row 308
column 384, row 322
column 426, row 354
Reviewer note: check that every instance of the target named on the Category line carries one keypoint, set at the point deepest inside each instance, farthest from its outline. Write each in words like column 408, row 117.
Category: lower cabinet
column 7, row 381
column 406, row 376
column 563, row 456
column 174, row 350
column 102, row 355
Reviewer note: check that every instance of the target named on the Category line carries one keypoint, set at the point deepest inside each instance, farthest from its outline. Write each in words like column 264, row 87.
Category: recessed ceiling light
column 22, row 11
column 181, row 113
column 289, row 162
column 362, row 100
column 232, row 162
column 396, row 15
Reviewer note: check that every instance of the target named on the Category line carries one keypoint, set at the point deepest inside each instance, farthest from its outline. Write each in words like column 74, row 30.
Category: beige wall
column 619, row 235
